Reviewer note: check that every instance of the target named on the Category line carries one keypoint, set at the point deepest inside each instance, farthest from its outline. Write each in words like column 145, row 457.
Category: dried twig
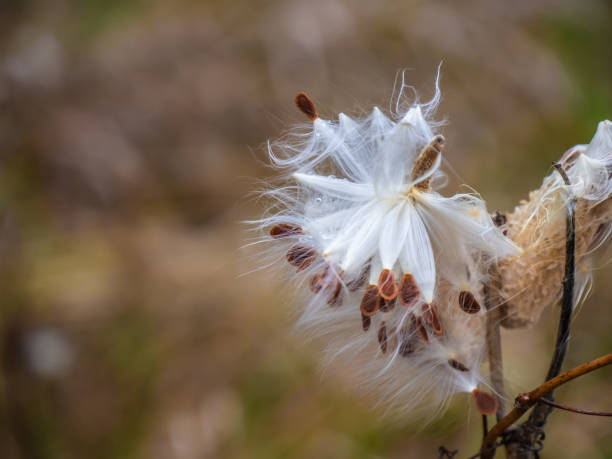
column 444, row 453
column 575, row 410
column 493, row 336
column 525, row 401
column 485, row 426
column 495, row 360
column 567, row 302
column 529, row 433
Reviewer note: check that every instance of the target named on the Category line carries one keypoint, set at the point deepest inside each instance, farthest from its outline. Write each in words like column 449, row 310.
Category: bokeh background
column 131, row 134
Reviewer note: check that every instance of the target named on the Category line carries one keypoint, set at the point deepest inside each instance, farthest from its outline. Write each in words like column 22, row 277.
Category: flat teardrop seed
column 301, row 257
column 406, row 342
column 335, row 296
column 406, row 348
column 365, row 322
column 426, row 159
column 468, row 302
column 420, row 328
column 306, row 105
column 386, row 285
column 285, row 230
column 387, row 305
column 356, row 283
column 408, row 290
column 455, row 364
column 370, row 301
column 382, row 337
column 432, row 317
column 318, row 281
column 485, row 402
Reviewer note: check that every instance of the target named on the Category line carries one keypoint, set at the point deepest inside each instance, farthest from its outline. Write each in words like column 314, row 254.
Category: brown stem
column 495, row 359
column 574, row 410
column 485, row 426
column 525, row 401
column 493, row 336
column 528, row 437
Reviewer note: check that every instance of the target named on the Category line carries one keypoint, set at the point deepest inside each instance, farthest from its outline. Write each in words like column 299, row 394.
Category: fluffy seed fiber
column 533, row 281
column 393, row 269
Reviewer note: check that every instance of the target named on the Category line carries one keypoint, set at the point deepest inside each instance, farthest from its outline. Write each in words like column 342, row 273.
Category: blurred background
column 131, row 134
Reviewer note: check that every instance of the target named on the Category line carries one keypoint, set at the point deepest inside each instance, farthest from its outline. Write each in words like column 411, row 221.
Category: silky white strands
column 394, row 268
column 532, row 281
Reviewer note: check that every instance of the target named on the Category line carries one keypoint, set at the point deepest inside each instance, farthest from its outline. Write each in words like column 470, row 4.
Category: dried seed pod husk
column 533, row 281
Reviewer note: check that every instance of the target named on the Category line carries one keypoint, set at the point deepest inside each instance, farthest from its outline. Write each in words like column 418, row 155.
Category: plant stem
column 495, row 361
column 530, row 432
column 485, row 426
column 493, row 335
column 525, row 401
column 567, row 303
column 575, row 410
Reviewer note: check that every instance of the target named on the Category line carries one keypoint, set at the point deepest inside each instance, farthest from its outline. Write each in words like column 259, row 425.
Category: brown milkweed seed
column 408, row 290
column 285, row 230
column 370, row 301
column 365, row 322
column 301, row 257
column 420, row 328
column 457, row 365
column 357, row 283
column 425, row 160
column 468, row 302
column 387, row 305
column 432, row 317
column 306, row 105
column 335, row 297
column 382, row 337
column 485, row 402
column 406, row 342
column 319, row 281
column 386, row 285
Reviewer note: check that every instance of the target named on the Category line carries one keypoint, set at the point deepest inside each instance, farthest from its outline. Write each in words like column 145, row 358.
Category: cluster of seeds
column 380, row 244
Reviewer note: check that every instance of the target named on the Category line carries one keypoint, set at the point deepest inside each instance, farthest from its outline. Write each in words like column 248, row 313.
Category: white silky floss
column 394, row 267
